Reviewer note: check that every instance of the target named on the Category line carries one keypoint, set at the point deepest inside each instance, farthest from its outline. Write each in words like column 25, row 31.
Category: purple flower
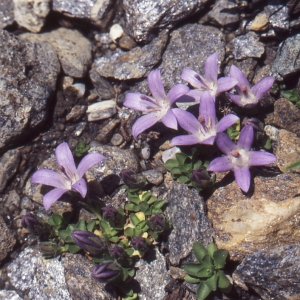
column 204, row 129
column 106, row 271
column 139, row 243
column 210, row 82
column 248, row 96
column 157, row 108
column 69, row 179
column 110, row 213
column 239, row 157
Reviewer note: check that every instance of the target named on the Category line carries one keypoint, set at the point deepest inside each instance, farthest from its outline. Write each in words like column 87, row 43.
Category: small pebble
column 153, row 177
column 116, row 139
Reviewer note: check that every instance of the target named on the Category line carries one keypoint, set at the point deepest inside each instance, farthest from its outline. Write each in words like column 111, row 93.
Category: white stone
column 170, row 154
column 116, row 31
column 101, row 110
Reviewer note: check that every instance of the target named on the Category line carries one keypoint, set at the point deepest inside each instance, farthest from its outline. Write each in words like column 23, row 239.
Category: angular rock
column 186, row 211
column 7, row 240
column 103, row 87
column 260, row 22
column 101, row 110
column 31, row 14
column 268, row 216
column 11, row 295
column 80, row 284
column 6, row 13
column 287, row 61
column 278, row 16
column 247, row 45
column 152, row 275
column 189, row 46
column 28, row 79
column 144, row 17
column 9, row 164
column 153, row 177
column 224, row 13
column 272, row 273
column 73, row 49
column 134, row 63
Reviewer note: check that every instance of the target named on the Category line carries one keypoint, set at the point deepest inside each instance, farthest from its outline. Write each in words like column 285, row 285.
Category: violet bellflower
column 210, row 81
column 247, row 96
column 157, row 108
column 204, row 129
column 69, row 179
column 239, row 157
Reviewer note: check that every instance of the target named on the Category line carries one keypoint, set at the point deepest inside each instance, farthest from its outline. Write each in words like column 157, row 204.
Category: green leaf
column 152, row 200
column 291, row 95
column 132, row 207
column 146, row 196
column 160, row 203
column 181, row 158
column 129, row 231
column 73, row 248
column 135, row 200
column 171, row 163
column 223, row 281
column 81, row 225
column 293, row 166
column 154, row 234
column 207, row 261
column 191, row 279
column 131, row 272
column 197, row 165
column 199, row 251
column 91, row 224
column 175, row 172
column 183, row 179
column 192, row 268
column 212, row 282
column 64, row 234
column 55, row 220
column 211, row 249
column 220, row 257
column 203, row 291
column 144, row 206
column 114, row 239
column 134, row 219
column 129, row 251
column 186, row 169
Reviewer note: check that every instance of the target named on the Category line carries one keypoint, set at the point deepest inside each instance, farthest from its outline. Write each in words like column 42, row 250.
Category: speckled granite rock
column 6, row 13
column 186, row 212
column 267, row 216
column 272, row 273
column 11, row 295
column 7, row 240
column 28, row 80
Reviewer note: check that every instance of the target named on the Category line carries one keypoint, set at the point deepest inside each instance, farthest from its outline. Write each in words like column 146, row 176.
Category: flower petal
column 185, row 140
column 196, row 94
column 211, row 68
column 187, row 121
column 176, row 92
column 220, row 164
column 65, row 160
column 88, row 161
column 139, row 102
column 80, row 187
column 207, row 109
column 226, row 84
column 236, row 73
column 170, row 120
column 226, row 122
column 209, row 141
column 235, row 99
column 262, row 87
column 156, row 86
column 260, row 158
column 242, row 177
column 143, row 123
column 246, row 138
column 192, row 78
column 51, row 178
column 225, row 144
column 52, row 197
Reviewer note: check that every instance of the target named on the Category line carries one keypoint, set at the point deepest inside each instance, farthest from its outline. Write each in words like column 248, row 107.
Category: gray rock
column 247, row 45
column 143, row 17
column 73, row 49
column 272, row 273
column 186, row 211
column 9, row 164
column 116, row 139
column 28, row 79
column 12, row 202
column 31, row 14
column 153, row 176
column 152, row 275
column 107, row 130
column 225, row 12
column 11, row 295
column 7, row 240
column 189, row 47
column 278, row 16
column 287, row 61
column 6, row 13
column 77, row 272
column 101, row 110
column 76, row 113
column 134, row 63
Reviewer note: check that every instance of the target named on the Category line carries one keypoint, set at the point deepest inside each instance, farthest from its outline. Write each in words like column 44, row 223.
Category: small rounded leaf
column 212, row 282
column 203, row 291
column 211, row 248
column 191, row 279
column 199, row 251
column 223, row 282
column 192, row 268
column 220, row 257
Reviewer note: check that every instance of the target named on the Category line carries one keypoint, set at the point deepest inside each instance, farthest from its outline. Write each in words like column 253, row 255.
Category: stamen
column 235, row 153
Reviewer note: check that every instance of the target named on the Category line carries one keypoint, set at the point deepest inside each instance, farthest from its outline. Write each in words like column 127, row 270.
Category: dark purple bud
column 157, row 222
column 139, row 243
column 89, row 242
column 131, row 179
column 106, row 271
column 110, row 213
column 32, row 223
column 116, row 252
column 200, row 178
column 253, row 122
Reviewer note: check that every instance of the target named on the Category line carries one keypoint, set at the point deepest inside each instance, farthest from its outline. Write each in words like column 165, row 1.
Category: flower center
column 247, row 97
column 206, row 130
column 239, row 157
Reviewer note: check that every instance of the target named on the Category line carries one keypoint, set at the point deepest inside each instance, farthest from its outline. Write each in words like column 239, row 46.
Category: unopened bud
column 106, row 271
column 131, row 179
column 116, row 252
column 200, row 178
column 32, row 224
column 139, row 243
column 157, row 222
column 110, row 213
column 253, row 122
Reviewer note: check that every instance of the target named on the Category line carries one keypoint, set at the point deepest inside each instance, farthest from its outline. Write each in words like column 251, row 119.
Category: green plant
column 293, row 96
column 208, row 271
column 81, row 148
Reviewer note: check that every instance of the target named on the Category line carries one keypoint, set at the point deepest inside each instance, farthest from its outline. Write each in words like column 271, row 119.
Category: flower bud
column 106, row 271
column 116, row 252
column 131, row 179
column 32, row 224
column 89, row 242
column 110, row 213
column 139, row 243
column 157, row 222
column 253, row 122
column 200, row 178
